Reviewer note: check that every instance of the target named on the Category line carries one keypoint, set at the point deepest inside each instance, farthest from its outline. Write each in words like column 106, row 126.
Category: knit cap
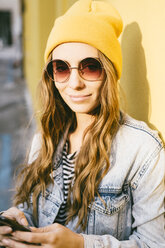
column 96, row 23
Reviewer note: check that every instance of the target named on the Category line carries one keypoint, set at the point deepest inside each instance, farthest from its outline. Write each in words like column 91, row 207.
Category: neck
column 83, row 121
column 76, row 138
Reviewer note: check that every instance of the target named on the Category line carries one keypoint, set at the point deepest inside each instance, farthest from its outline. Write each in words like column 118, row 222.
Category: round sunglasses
column 89, row 69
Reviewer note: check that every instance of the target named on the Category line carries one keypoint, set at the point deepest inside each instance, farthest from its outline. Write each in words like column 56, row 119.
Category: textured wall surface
column 142, row 42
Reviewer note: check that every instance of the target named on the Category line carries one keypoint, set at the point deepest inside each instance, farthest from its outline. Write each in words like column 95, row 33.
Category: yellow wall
column 37, row 24
column 31, row 44
column 142, row 42
column 38, row 18
column 143, row 46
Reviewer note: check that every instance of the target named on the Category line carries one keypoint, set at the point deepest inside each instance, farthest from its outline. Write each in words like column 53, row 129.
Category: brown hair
column 92, row 162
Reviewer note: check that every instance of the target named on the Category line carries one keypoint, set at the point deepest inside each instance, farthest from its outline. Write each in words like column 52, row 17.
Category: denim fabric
column 133, row 191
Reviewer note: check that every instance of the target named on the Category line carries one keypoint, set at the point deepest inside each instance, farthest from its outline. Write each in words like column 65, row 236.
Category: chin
column 83, row 110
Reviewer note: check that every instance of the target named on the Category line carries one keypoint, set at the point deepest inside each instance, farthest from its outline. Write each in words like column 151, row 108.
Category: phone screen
column 4, row 221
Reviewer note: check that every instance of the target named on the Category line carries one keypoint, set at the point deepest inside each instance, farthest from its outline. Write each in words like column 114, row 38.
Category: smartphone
column 4, row 221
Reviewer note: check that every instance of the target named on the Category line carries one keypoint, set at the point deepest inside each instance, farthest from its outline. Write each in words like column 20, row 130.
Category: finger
column 15, row 244
column 37, row 238
column 5, row 230
column 11, row 212
column 34, row 229
column 50, row 228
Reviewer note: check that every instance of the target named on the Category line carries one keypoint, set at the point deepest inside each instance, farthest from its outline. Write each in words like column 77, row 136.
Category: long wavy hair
column 92, row 162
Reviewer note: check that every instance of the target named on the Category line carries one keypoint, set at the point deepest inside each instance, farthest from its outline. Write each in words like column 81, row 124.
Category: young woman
column 95, row 176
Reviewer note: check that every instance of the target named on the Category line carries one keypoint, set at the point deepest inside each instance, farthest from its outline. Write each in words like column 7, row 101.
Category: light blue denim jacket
column 133, row 190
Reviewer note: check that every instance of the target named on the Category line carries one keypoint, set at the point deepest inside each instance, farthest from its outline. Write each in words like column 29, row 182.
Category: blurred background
column 24, row 28
column 15, row 100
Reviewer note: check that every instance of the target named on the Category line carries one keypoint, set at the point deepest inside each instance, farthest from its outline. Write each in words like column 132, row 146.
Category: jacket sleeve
column 148, row 192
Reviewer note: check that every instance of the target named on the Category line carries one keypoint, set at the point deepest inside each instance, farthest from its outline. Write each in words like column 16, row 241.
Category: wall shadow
column 134, row 80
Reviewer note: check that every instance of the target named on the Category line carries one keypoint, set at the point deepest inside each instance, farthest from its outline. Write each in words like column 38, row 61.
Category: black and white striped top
column 68, row 175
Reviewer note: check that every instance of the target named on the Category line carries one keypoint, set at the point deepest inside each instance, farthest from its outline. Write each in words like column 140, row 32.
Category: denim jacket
column 133, row 190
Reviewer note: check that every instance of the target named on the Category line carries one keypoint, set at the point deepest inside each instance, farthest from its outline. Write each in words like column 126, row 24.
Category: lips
column 77, row 98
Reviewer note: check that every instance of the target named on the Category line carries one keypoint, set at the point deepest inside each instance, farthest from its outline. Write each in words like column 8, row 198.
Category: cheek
column 98, row 90
column 60, row 87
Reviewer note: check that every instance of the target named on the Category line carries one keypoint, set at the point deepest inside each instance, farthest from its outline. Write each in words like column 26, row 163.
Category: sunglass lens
column 60, row 70
column 90, row 69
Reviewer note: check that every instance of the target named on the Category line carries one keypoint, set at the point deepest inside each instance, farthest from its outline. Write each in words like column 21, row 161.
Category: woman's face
column 80, row 95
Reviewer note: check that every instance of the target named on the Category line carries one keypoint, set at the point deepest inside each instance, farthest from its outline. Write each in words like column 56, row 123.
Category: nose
column 75, row 81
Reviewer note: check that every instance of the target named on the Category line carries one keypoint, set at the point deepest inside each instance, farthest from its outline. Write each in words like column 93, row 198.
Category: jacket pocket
column 110, row 203
column 109, row 213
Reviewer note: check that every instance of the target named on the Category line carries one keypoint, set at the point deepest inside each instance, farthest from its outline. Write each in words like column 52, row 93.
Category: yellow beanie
column 96, row 23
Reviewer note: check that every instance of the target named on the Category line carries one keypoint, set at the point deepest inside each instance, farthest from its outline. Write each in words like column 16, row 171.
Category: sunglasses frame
column 74, row 67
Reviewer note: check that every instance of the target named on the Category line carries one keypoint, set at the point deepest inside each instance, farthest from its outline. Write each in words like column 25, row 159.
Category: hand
column 53, row 236
column 15, row 214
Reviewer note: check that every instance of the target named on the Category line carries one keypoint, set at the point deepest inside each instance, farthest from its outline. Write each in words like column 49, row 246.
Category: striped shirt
column 68, row 175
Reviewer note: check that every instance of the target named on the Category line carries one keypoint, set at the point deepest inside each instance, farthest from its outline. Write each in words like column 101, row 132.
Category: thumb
column 20, row 217
column 23, row 221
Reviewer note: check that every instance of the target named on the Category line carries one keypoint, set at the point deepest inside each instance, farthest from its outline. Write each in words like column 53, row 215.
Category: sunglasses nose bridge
column 74, row 68
column 75, row 79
